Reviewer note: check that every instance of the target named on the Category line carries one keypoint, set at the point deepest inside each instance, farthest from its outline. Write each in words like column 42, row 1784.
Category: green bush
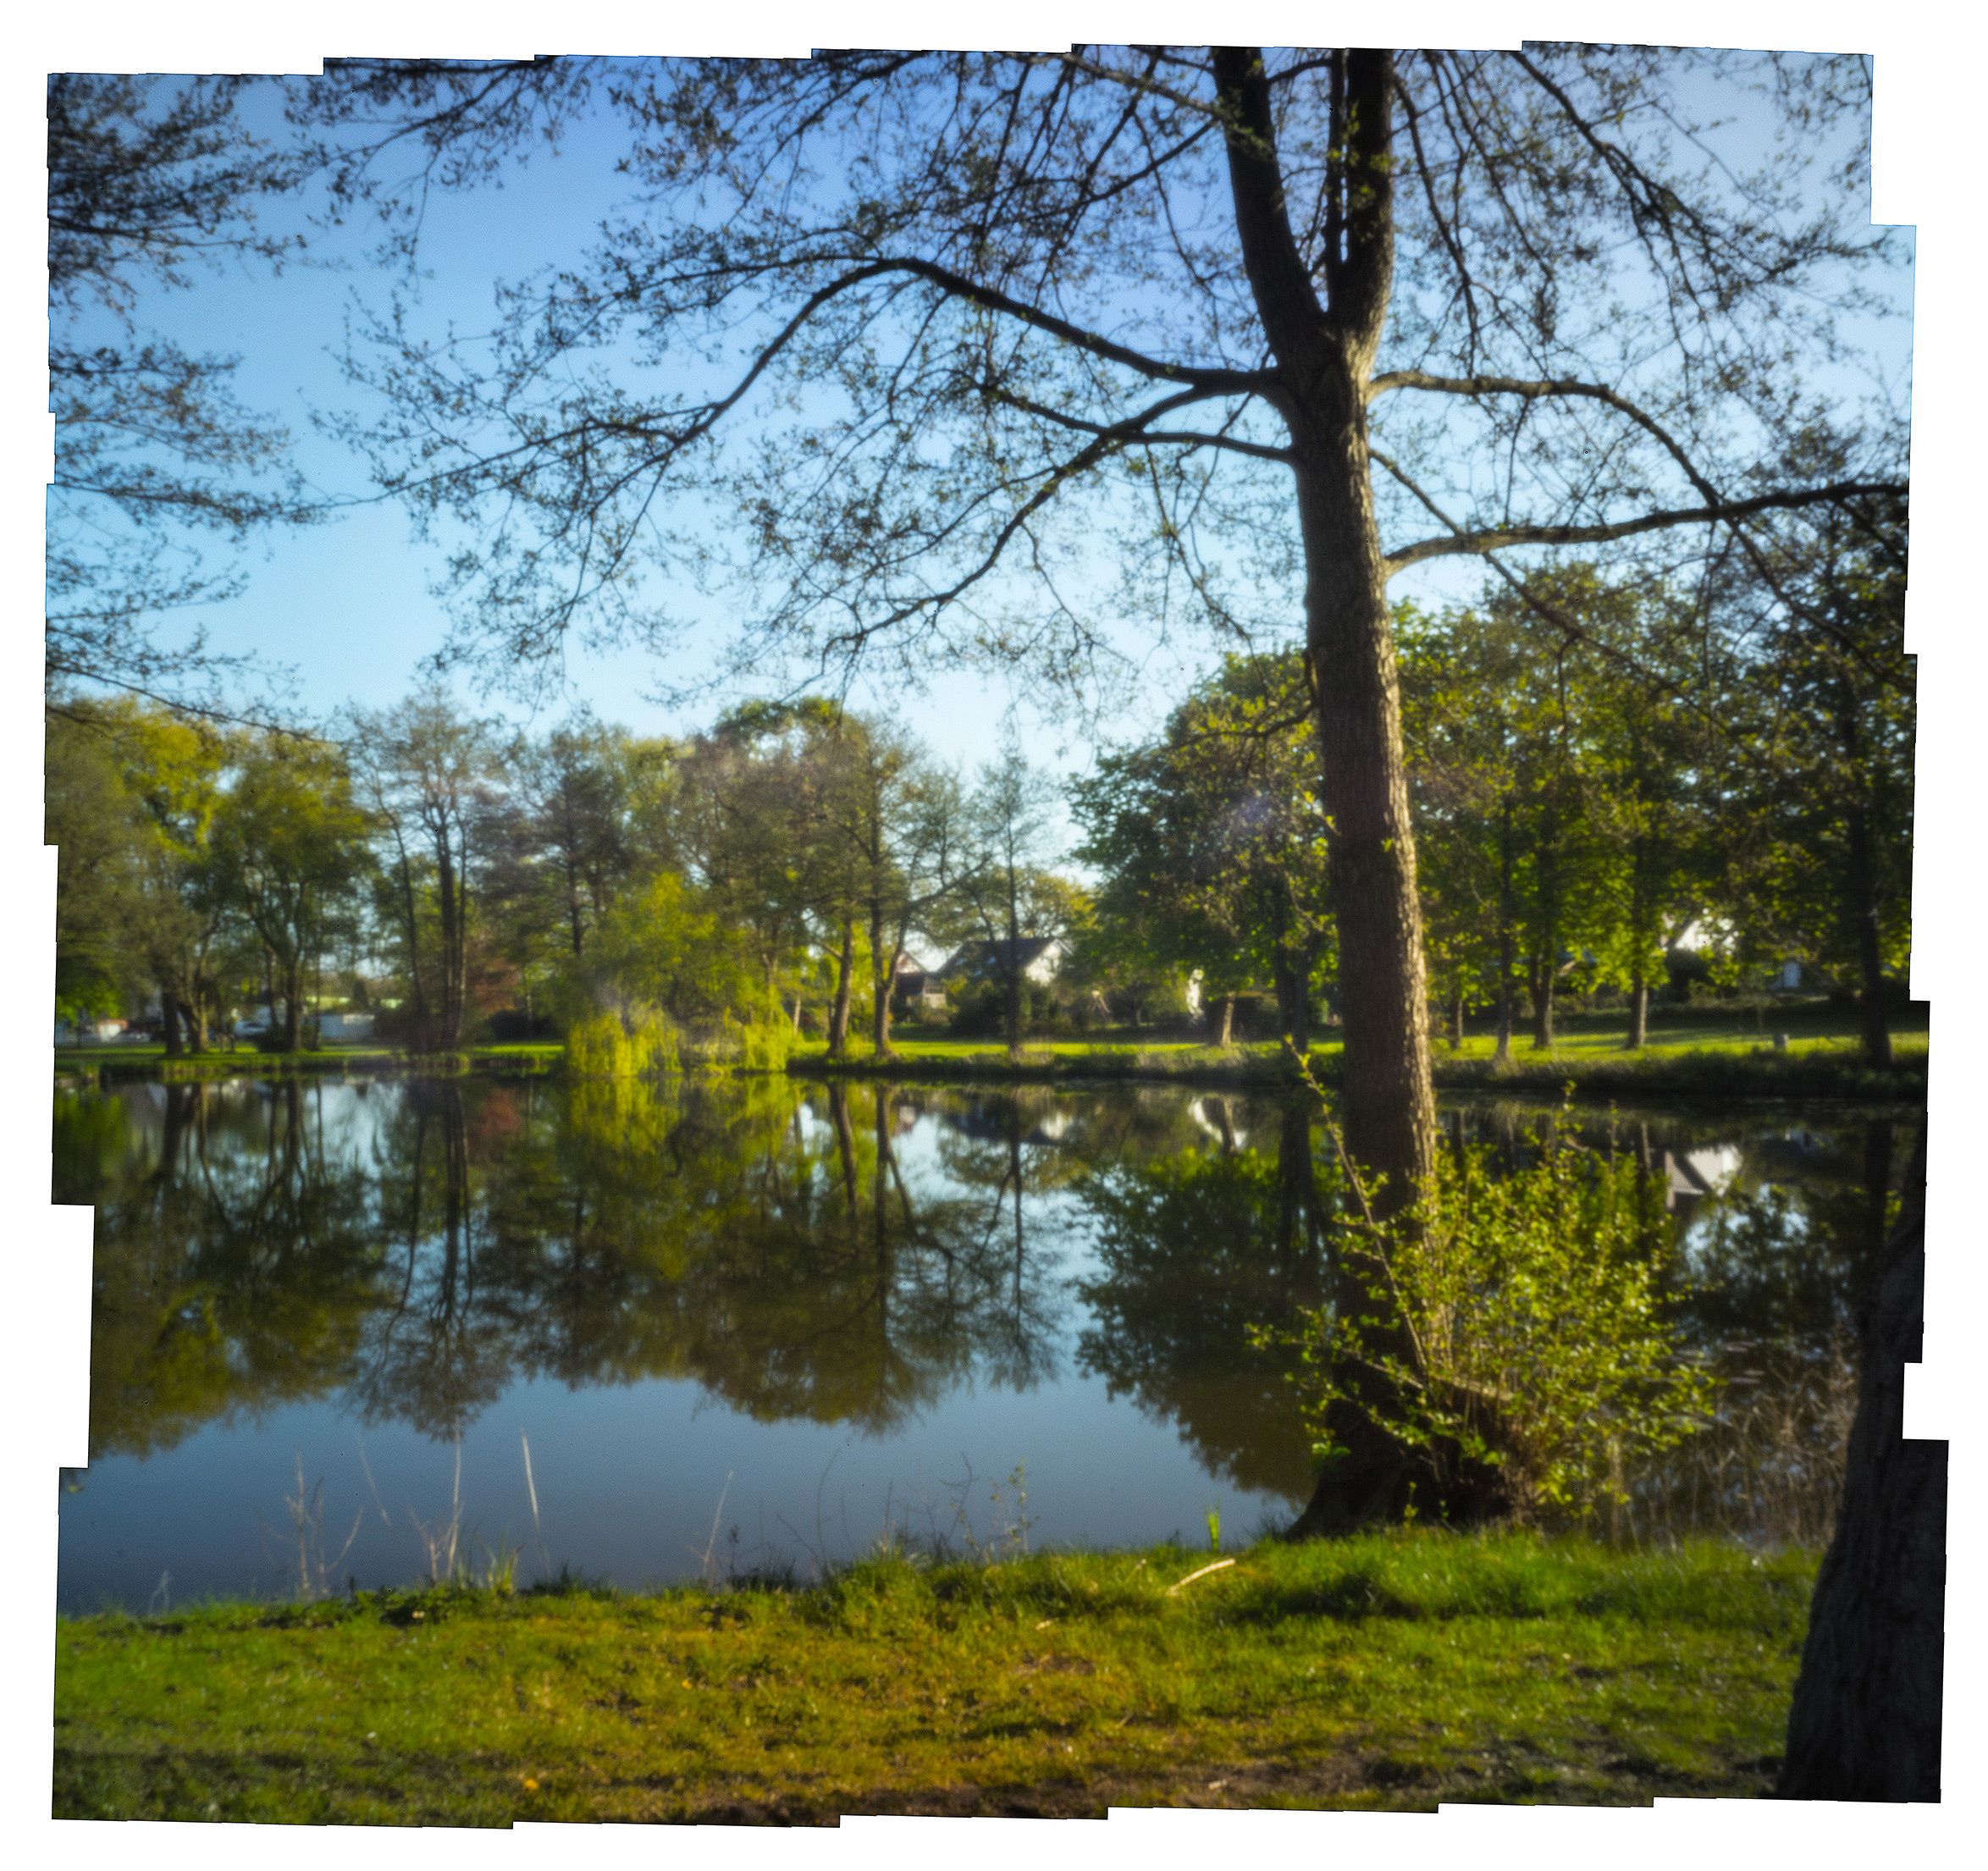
column 1512, row 1320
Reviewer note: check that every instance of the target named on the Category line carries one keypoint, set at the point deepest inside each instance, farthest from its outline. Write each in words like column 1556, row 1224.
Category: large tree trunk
column 1324, row 358
column 1865, row 1722
column 1225, row 1022
column 1639, row 1013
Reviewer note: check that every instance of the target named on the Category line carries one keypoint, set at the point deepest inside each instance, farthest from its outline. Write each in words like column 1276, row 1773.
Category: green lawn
column 1708, row 1051
column 1392, row 1670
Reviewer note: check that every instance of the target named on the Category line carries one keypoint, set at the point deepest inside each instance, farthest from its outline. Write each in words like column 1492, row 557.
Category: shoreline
column 1824, row 1069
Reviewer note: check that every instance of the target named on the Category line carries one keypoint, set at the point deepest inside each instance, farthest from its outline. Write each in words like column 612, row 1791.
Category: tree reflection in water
column 1193, row 1248
column 851, row 1253
column 240, row 1270
column 767, row 1245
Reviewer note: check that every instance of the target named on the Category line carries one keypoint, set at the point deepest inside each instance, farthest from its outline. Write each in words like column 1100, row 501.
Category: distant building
column 1039, row 957
column 913, row 986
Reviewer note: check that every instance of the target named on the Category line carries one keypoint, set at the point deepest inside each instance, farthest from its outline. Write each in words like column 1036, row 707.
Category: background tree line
column 1617, row 787
column 460, row 880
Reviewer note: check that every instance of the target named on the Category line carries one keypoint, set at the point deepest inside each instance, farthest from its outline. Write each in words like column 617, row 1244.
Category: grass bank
column 114, row 1062
column 1395, row 1670
column 1697, row 1063
column 1706, row 1052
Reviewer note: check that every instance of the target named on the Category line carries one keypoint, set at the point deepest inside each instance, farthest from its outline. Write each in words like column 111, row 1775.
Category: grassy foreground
column 1396, row 1669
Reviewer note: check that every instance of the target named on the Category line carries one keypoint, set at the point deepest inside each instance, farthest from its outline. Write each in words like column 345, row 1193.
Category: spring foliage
column 667, row 971
column 1513, row 1320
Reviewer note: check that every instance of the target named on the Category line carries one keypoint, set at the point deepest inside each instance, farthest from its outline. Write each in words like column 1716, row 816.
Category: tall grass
column 1768, row 1469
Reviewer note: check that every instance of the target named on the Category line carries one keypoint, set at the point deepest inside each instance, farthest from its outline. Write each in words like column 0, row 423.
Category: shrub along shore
column 1395, row 1669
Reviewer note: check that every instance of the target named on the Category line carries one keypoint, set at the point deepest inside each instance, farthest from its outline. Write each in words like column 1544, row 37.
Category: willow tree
column 912, row 345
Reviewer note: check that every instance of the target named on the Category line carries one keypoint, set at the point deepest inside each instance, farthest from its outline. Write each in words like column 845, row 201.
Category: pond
column 752, row 1324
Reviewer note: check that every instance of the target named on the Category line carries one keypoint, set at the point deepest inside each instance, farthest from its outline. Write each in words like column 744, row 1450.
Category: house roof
column 976, row 958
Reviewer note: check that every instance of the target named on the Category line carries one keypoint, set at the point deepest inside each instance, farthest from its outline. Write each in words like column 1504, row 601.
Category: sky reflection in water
column 826, row 1308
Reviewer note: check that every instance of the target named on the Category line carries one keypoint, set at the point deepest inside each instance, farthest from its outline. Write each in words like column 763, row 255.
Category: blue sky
column 347, row 605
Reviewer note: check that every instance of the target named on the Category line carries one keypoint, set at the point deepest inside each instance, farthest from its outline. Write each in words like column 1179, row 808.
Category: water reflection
column 410, row 1252
column 437, row 1242
column 1192, row 1248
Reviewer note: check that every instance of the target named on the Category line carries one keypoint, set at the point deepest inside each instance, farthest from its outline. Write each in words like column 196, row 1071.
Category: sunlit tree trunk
column 838, row 1015
column 1325, row 355
column 1503, row 1054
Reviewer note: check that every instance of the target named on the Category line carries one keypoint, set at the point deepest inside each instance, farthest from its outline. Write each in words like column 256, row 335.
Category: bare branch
column 1133, row 427
column 1496, row 539
column 1536, row 387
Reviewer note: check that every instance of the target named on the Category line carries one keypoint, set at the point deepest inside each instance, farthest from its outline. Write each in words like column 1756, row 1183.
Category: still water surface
column 751, row 1323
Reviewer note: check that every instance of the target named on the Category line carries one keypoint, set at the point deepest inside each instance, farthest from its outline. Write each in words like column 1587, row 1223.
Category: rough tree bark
column 1865, row 1722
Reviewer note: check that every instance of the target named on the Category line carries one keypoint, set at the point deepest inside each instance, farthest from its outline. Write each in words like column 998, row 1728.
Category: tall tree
column 1008, row 279
column 177, row 770
column 288, row 840
column 1008, row 818
column 99, row 834
column 1213, row 840
column 901, row 824
column 749, row 823
column 1828, row 719
column 427, row 774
